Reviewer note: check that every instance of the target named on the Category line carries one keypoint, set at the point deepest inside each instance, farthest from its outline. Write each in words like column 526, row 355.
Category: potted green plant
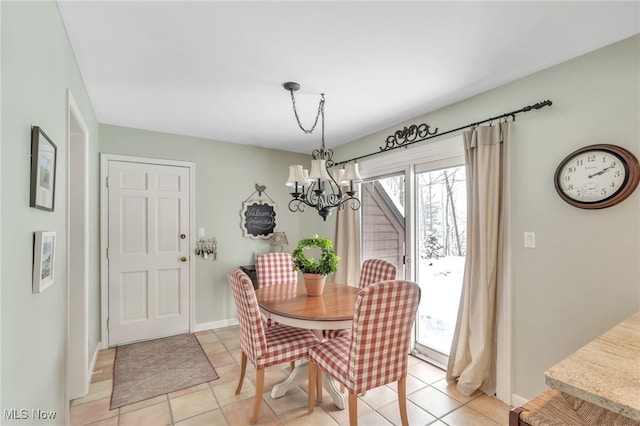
column 315, row 271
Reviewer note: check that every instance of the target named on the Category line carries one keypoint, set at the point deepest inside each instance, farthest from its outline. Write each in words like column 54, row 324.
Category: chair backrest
column 375, row 270
column 275, row 268
column 382, row 322
column 252, row 339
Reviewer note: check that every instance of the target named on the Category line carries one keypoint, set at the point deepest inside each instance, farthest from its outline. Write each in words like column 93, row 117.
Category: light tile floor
column 430, row 400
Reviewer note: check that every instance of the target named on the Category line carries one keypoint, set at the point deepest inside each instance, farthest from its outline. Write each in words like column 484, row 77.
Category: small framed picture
column 43, row 170
column 44, row 255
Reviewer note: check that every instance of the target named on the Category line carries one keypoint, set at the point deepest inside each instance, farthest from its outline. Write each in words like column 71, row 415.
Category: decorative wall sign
column 258, row 217
column 44, row 251
column 43, row 170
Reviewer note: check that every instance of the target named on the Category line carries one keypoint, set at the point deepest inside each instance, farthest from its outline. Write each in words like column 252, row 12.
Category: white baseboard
column 94, row 358
column 215, row 324
column 517, row 400
column 92, row 364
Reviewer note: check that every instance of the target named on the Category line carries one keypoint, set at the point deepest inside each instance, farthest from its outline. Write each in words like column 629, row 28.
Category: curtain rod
column 423, row 130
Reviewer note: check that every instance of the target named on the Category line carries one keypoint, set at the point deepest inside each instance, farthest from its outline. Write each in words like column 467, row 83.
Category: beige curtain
column 347, row 245
column 473, row 351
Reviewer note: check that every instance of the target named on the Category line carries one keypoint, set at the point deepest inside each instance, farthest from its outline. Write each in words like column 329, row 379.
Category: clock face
column 597, row 176
column 592, row 176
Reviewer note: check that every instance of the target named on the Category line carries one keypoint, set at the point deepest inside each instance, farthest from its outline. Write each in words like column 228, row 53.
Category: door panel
column 441, row 237
column 134, row 295
column 168, row 293
column 133, row 226
column 168, row 225
column 148, row 251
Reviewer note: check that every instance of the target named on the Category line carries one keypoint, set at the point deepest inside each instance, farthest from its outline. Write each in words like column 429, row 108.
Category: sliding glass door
column 440, row 235
column 414, row 215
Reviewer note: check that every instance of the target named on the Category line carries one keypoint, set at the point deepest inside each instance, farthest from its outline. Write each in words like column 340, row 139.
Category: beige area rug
column 147, row 369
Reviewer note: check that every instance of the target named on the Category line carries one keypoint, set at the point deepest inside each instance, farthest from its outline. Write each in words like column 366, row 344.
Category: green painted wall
column 38, row 66
column 226, row 175
column 584, row 275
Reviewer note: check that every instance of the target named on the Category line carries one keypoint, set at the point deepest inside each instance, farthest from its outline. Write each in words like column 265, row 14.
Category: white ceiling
column 215, row 69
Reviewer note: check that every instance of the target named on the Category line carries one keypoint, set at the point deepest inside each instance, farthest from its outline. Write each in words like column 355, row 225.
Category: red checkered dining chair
column 375, row 353
column 373, row 271
column 275, row 268
column 264, row 347
column 376, row 270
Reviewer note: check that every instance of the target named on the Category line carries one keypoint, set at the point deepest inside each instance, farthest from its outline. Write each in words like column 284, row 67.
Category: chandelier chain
column 315, row 123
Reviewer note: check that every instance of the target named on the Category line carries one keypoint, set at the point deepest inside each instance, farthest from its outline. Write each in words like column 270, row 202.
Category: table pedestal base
column 301, row 373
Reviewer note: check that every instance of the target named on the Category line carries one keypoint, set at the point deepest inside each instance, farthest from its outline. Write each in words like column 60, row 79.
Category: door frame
column 104, row 233
column 77, row 234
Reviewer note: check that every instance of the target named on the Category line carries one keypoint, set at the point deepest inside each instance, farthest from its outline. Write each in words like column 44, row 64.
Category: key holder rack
column 207, row 248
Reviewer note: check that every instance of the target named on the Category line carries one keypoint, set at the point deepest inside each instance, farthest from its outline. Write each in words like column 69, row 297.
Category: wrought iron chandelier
column 320, row 189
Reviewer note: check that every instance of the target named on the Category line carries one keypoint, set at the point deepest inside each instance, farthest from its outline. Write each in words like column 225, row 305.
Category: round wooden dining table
column 289, row 304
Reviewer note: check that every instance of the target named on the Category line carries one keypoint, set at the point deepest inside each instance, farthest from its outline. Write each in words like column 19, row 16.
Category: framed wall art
column 43, row 170
column 44, row 255
column 258, row 219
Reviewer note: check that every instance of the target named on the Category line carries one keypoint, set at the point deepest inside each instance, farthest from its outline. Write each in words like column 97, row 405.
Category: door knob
column 183, row 258
column 183, row 236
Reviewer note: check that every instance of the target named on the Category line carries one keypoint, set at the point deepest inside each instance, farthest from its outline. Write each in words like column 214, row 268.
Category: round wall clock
column 597, row 176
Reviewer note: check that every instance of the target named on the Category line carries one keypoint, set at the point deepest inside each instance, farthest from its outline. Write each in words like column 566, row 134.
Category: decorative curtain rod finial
column 537, row 105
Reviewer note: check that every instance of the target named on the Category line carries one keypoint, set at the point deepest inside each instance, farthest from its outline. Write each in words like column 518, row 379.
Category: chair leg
column 258, row 400
column 353, row 409
column 243, row 369
column 402, row 400
column 312, row 385
column 319, row 385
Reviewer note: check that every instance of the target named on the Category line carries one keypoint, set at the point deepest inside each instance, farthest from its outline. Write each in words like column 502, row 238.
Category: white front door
column 148, row 251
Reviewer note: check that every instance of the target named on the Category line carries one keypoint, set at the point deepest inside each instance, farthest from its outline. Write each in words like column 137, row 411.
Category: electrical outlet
column 200, row 232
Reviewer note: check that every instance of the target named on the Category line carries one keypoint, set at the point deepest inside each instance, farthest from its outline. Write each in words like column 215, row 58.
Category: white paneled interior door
column 148, row 251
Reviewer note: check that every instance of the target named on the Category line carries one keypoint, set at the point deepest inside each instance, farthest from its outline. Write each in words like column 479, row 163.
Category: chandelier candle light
column 320, row 189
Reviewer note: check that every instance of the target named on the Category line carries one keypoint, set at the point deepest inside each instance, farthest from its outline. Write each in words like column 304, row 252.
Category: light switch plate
column 529, row 240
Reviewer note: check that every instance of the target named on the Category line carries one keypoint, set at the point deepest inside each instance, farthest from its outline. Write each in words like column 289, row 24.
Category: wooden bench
column 556, row 408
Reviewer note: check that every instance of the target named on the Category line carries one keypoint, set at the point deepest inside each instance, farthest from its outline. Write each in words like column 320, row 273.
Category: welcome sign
column 258, row 219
